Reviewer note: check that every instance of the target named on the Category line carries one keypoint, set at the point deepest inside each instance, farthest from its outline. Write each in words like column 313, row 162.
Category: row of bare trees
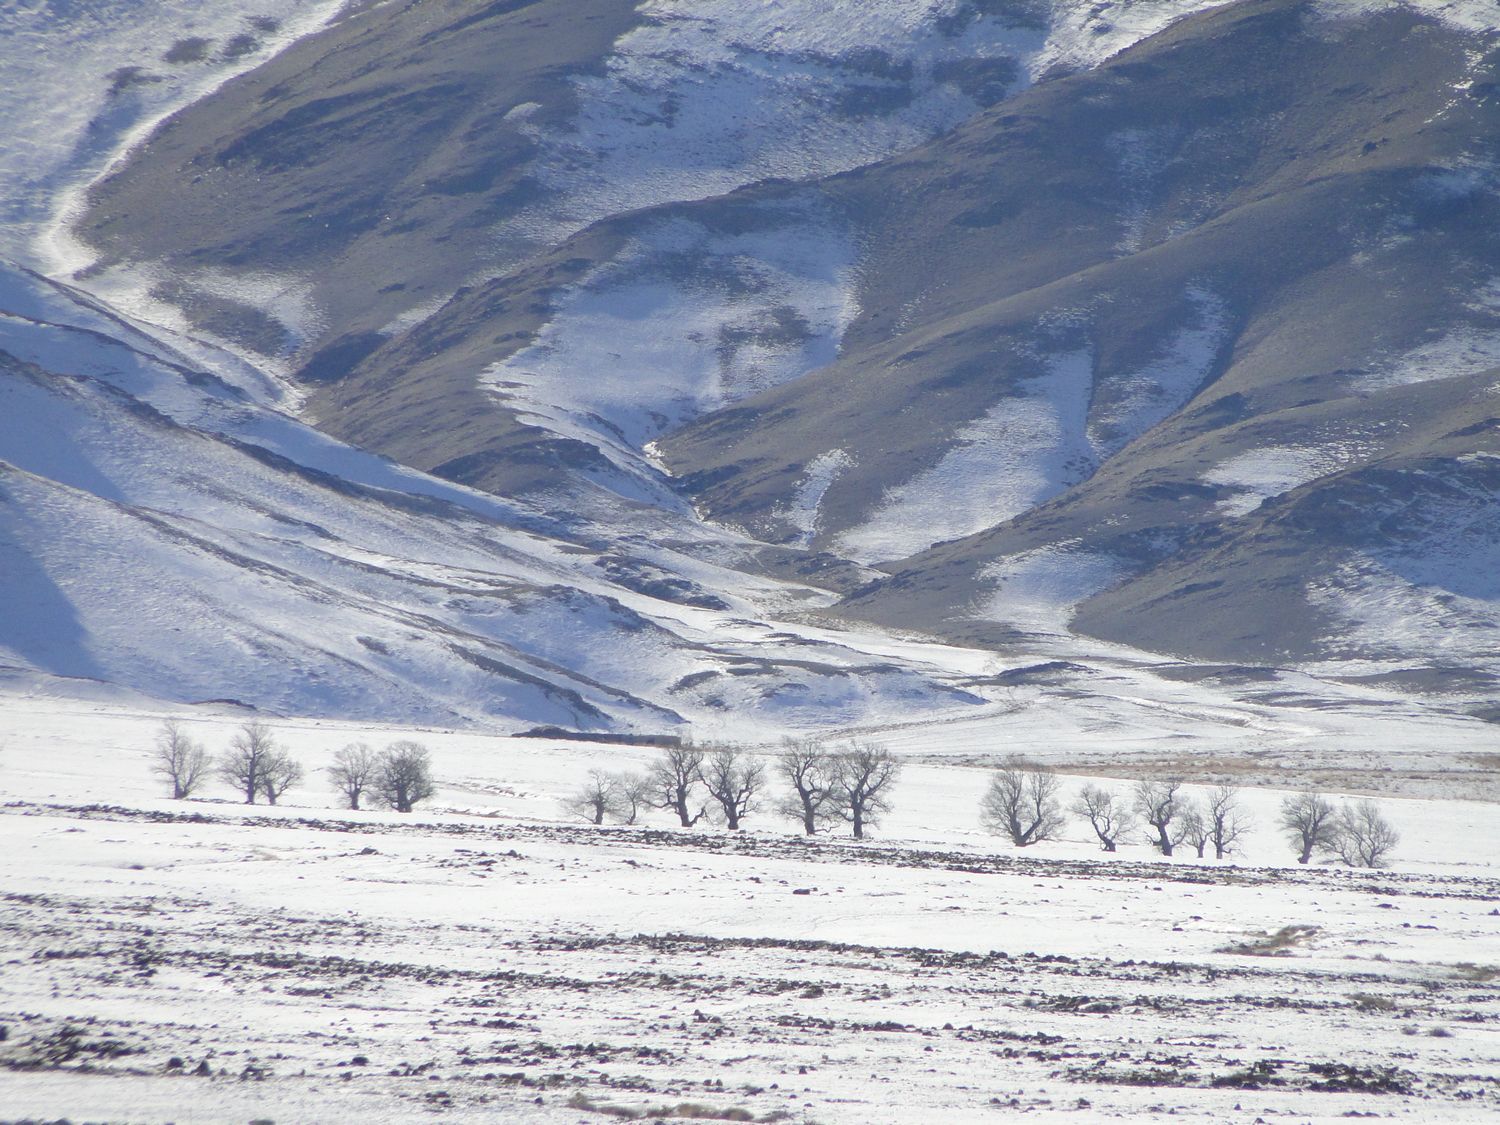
column 1024, row 803
column 255, row 765
column 724, row 783
column 1355, row 833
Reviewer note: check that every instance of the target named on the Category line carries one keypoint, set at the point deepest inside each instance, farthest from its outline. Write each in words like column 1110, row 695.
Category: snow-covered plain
column 485, row 959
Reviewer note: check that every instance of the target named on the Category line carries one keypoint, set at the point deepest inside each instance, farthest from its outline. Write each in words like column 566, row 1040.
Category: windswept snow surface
column 1384, row 612
column 1125, row 408
column 710, row 95
column 485, row 958
column 85, row 79
column 803, row 512
column 1435, row 587
column 1258, row 475
column 686, row 320
column 1470, row 350
column 1039, row 590
column 1023, row 450
column 163, row 531
column 1467, row 15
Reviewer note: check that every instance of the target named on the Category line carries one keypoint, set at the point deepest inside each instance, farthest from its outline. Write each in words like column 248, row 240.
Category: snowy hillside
column 1108, row 384
column 635, row 367
column 166, row 533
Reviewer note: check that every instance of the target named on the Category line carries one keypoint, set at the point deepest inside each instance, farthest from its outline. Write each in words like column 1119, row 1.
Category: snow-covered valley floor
column 485, row 958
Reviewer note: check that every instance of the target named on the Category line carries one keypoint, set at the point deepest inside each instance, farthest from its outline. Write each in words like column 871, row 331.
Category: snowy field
column 486, row 958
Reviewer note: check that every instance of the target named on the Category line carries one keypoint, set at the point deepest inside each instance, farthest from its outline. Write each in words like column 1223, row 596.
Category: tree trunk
column 1163, row 841
column 808, row 820
column 859, row 822
column 1109, row 845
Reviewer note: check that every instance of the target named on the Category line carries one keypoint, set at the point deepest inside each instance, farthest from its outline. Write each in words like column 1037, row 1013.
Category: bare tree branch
column 1022, row 803
column 179, row 759
column 1227, row 820
column 595, row 799
column 732, row 779
column 863, row 775
column 1309, row 824
column 1109, row 816
column 404, row 776
column 807, row 768
column 675, row 777
column 251, row 751
column 352, row 771
column 1159, row 802
column 1362, row 836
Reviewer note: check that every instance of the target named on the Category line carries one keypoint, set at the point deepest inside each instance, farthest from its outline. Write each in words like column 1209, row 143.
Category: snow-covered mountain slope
column 163, row 531
column 1111, row 384
column 85, row 80
column 1010, row 300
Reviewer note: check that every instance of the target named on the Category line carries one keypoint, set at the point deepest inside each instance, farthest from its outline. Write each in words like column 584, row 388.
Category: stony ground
column 227, row 964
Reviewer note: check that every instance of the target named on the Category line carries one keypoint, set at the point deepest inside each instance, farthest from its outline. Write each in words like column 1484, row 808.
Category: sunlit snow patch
column 1382, row 613
column 1466, row 15
column 706, row 96
column 802, row 512
column 686, row 320
column 1086, row 33
column 1127, row 407
column 1258, row 475
column 1022, row 451
column 83, row 81
column 1039, row 590
column 1463, row 350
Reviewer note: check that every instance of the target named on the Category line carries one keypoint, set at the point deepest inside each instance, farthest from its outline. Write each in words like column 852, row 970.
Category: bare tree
column 675, row 777
column 1109, row 817
column 1362, row 836
column 179, row 759
column 1022, row 803
column 278, row 774
column 404, row 776
column 863, row 775
column 1195, row 827
column 1309, row 823
column 1227, row 819
column 1159, row 802
column 596, row 798
column 352, row 771
column 250, row 752
column 807, row 768
column 733, row 779
column 632, row 794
